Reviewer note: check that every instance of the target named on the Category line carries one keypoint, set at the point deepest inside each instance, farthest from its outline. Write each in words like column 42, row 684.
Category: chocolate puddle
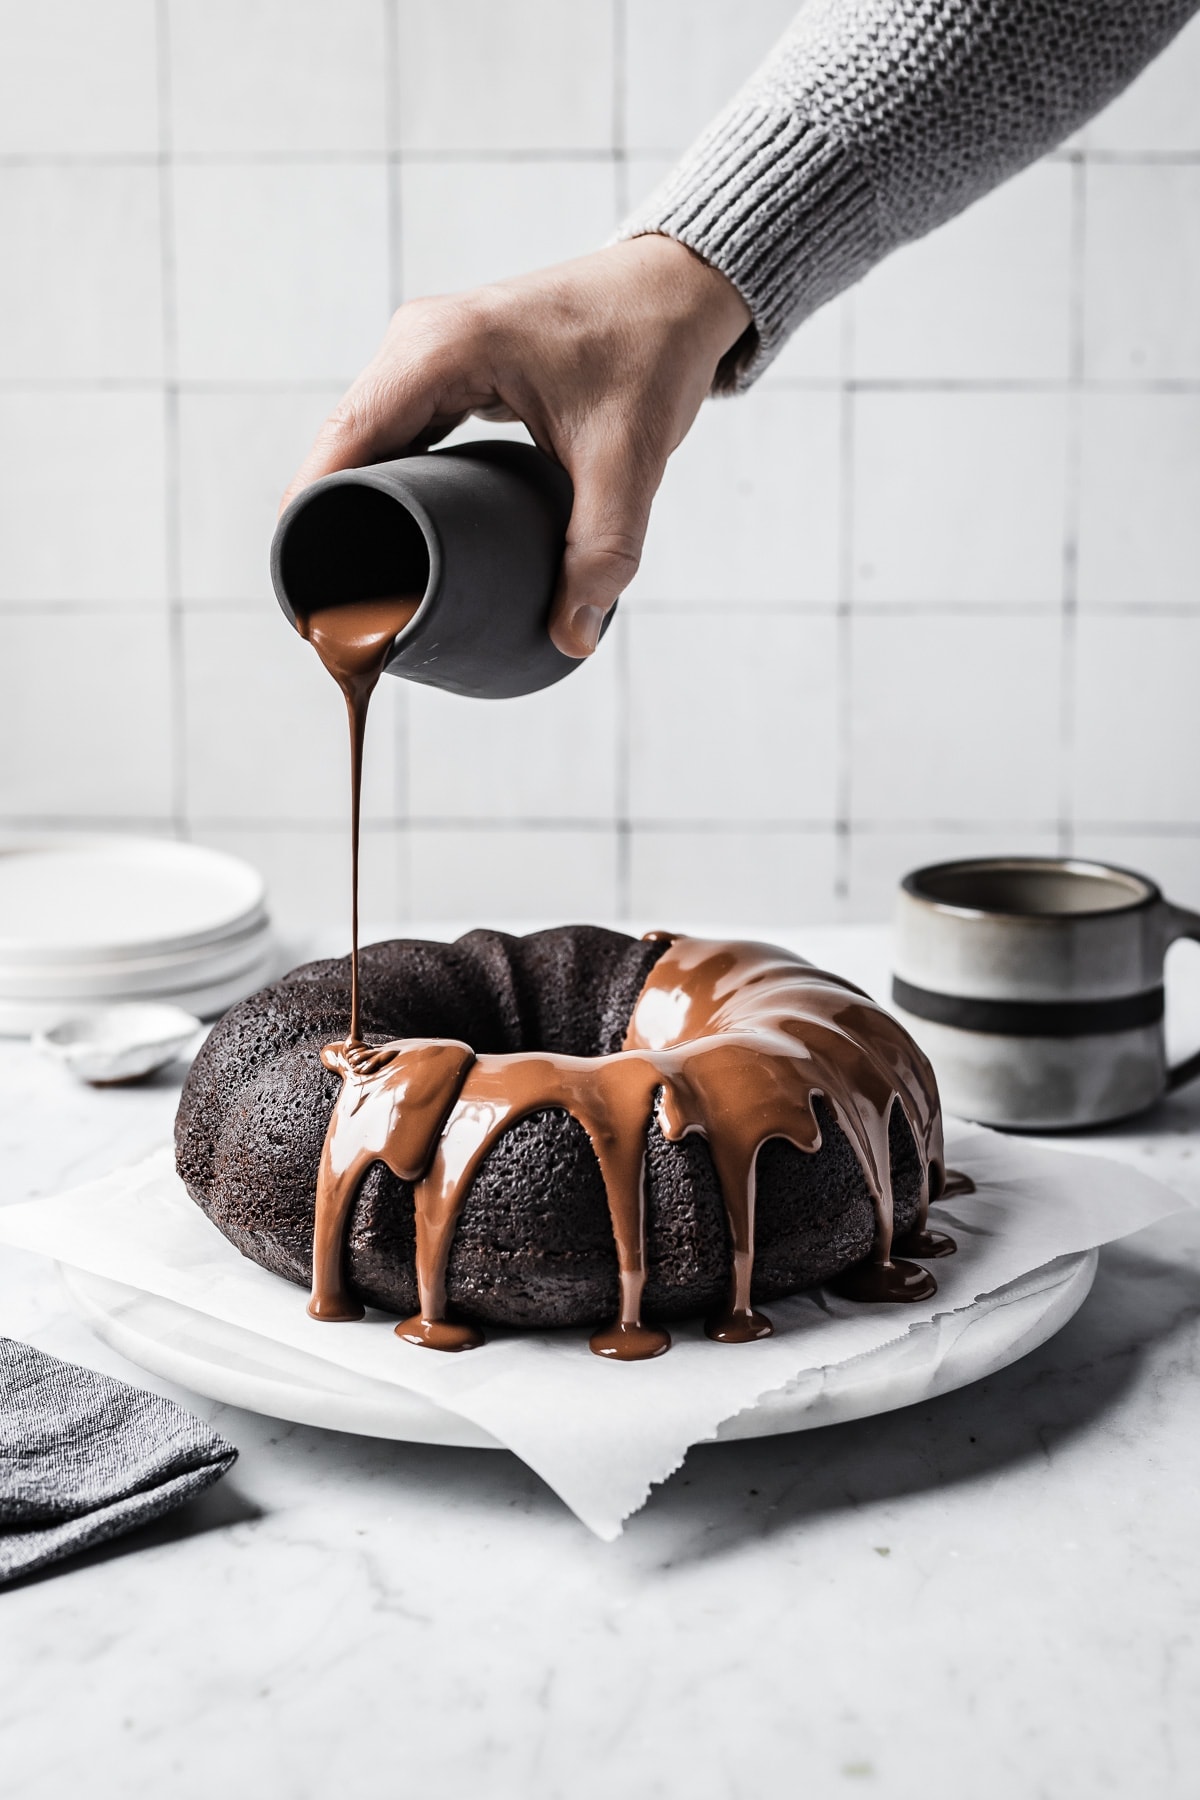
column 955, row 1185
column 734, row 1041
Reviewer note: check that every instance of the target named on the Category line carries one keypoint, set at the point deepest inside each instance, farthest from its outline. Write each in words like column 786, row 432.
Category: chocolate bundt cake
column 743, row 1068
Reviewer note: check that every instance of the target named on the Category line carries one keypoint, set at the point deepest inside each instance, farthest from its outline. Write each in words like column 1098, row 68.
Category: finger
column 615, row 482
column 440, row 426
column 497, row 412
column 373, row 421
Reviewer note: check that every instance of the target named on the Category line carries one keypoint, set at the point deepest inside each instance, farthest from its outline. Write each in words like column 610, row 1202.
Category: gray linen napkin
column 84, row 1458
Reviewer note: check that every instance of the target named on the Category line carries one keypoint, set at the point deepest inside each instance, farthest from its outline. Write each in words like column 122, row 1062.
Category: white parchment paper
column 601, row 1433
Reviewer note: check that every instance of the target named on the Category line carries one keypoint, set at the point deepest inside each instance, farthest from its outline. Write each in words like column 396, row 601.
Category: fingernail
column 585, row 627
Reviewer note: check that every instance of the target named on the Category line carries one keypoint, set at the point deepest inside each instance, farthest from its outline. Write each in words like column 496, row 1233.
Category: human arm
column 606, row 360
column 873, row 121
column 870, row 123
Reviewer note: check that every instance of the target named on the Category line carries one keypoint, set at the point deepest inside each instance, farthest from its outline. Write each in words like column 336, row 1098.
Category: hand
column 606, row 361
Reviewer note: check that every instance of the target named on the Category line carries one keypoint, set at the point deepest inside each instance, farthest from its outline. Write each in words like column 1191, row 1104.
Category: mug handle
column 1183, row 924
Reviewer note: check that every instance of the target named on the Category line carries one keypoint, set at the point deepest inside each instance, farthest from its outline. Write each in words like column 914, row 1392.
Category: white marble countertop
column 995, row 1594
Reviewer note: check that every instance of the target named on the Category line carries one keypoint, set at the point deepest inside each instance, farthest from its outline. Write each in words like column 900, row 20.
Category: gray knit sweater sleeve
column 871, row 122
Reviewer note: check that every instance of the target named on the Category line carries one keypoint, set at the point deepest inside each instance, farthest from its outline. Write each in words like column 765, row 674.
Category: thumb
column 615, row 482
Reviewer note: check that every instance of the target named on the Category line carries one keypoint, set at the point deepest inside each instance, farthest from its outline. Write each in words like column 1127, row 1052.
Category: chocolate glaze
column 922, row 1242
column 733, row 1041
column 955, row 1185
column 925, row 1243
column 894, row 1279
column 730, row 1040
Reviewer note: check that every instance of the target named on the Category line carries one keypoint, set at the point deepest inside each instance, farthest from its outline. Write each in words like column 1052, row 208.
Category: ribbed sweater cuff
column 779, row 207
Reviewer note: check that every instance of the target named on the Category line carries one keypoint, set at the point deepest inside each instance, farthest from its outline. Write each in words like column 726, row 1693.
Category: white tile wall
column 988, row 690
column 261, row 76
column 547, row 756
column 1137, row 736
column 281, row 271
column 82, row 520
column 529, row 75
column 930, row 590
column 733, row 716
column 85, row 728
column 685, row 58
column 279, row 752
column 78, row 79
column 464, row 222
column 987, row 297
column 958, row 497
column 1139, row 499
column 1142, row 277
column 748, row 509
column 237, row 452
column 307, row 870
column 500, row 875
column 82, row 295
column 697, row 878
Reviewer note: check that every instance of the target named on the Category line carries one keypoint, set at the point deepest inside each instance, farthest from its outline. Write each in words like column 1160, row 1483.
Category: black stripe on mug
column 1031, row 1018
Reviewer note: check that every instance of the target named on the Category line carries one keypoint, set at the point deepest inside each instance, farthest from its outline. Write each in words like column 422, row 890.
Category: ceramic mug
column 477, row 530
column 1036, row 986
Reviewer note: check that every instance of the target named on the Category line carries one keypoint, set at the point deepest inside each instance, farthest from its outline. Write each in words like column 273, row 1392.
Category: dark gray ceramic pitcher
column 477, row 530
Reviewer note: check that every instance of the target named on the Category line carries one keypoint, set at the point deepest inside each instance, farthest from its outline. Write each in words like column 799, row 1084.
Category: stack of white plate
column 90, row 921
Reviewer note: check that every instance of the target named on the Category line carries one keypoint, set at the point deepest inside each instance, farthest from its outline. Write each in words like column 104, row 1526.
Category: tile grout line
column 392, row 122
column 843, row 772
column 172, row 495
column 623, row 836
column 620, row 153
column 135, row 159
column 402, row 742
column 1072, row 451
column 301, row 159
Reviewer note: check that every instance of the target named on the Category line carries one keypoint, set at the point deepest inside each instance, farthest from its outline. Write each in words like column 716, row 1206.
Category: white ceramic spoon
column 119, row 1043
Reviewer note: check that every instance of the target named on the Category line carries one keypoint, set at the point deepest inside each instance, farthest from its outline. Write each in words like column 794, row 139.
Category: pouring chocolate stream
column 353, row 641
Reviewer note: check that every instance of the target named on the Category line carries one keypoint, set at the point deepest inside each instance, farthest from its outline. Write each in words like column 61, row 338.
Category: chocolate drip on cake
column 955, row 1185
column 919, row 1241
column 735, row 1042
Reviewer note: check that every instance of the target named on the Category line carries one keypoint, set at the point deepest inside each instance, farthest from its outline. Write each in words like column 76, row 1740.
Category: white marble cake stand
column 231, row 1364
